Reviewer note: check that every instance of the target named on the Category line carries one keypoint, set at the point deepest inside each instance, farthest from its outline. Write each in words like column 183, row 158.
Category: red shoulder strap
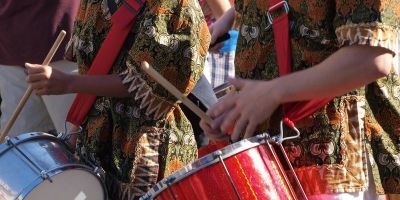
column 280, row 25
column 122, row 22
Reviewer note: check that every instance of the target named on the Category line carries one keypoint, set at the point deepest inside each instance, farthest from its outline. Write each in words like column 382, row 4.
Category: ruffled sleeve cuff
column 153, row 105
column 371, row 34
column 69, row 53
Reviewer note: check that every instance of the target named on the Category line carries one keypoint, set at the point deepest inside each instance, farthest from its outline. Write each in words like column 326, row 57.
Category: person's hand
column 252, row 105
column 217, row 30
column 47, row 81
column 212, row 134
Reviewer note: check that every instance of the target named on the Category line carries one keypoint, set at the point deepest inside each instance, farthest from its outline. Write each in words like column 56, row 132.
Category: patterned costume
column 331, row 155
column 141, row 139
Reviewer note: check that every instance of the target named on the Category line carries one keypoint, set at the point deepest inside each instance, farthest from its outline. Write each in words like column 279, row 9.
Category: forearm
column 347, row 69
column 227, row 19
column 218, row 7
column 99, row 85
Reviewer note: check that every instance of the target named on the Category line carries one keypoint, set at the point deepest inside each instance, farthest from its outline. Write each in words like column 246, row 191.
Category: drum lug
column 170, row 179
column 217, row 154
column 63, row 136
column 145, row 197
column 8, row 140
column 44, row 175
column 263, row 137
column 276, row 139
column 99, row 172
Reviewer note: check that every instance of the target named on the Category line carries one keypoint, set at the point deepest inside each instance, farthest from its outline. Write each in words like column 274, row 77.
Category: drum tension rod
column 43, row 174
column 169, row 181
column 219, row 155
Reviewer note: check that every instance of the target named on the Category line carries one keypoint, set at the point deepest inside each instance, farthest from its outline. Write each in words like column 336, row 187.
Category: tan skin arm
column 48, row 81
column 220, row 27
column 218, row 7
column 340, row 73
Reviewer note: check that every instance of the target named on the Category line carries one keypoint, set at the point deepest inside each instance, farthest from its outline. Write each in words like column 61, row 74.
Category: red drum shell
column 252, row 164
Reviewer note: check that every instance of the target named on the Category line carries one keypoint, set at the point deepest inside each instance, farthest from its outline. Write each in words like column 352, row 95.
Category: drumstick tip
column 145, row 65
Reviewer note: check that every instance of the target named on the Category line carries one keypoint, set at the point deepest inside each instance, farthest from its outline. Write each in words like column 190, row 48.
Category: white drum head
column 74, row 184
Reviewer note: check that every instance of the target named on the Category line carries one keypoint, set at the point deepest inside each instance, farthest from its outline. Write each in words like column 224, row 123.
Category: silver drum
column 38, row 166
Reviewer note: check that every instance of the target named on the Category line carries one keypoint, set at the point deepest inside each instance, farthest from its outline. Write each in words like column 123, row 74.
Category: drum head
column 73, row 184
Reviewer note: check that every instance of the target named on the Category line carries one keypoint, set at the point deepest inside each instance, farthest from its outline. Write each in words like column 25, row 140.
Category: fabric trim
column 152, row 104
column 371, row 34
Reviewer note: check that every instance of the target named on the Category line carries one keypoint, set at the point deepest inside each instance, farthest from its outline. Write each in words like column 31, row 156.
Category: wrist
column 71, row 83
column 278, row 91
column 230, row 18
column 226, row 22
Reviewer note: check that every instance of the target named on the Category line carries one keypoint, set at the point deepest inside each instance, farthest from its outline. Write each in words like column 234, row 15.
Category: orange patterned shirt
column 143, row 138
column 331, row 154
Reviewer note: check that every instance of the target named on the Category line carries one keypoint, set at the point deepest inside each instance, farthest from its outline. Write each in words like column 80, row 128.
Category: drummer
column 135, row 129
column 347, row 50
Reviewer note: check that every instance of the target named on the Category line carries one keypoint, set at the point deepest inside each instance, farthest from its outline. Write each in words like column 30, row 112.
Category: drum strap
column 296, row 111
column 122, row 21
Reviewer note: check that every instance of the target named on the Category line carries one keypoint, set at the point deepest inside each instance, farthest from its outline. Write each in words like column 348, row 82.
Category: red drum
column 246, row 170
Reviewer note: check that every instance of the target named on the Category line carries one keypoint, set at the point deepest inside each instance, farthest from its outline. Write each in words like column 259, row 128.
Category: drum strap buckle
column 280, row 138
column 277, row 6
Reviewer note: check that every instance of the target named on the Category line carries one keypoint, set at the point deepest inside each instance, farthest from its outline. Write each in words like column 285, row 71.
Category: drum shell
column 255, row 172
column 30, row 159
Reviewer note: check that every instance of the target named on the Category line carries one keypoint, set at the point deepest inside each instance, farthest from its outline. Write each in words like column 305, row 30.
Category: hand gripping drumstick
column 28, row 92
column 172, row 89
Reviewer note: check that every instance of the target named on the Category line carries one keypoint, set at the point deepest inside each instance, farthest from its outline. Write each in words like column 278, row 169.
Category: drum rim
column 5, row 146
column 25, row 192
column 206, row 161
column 26, row 137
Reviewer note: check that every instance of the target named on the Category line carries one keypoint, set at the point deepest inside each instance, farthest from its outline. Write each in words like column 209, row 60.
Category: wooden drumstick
column 172, row 89
column 28, row 92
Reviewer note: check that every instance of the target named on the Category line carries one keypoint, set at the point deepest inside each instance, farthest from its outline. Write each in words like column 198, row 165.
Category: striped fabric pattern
column 220, row 67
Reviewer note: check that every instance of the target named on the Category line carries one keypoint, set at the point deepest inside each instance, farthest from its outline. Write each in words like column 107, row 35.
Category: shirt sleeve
column 238, row 6
column 372, row 23
column 173, row 38
column 69, row 51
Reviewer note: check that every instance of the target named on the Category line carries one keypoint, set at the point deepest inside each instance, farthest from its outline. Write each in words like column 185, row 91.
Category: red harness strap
column 122, row 22
column 293, row 112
